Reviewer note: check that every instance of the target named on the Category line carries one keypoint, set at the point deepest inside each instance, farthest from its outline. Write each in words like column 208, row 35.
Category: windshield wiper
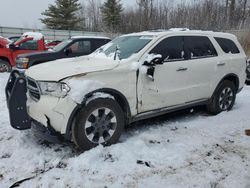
column 117, row 52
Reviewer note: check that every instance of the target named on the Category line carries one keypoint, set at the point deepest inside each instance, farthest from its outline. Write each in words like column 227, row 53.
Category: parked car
column 29, row 42
column 14, row 38
column 248, row 72
column 76, row 46
column 90, row 99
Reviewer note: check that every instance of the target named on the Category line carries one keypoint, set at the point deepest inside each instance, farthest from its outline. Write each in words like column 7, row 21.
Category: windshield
column 61, row 45
column 18, row 40
column 126, row 45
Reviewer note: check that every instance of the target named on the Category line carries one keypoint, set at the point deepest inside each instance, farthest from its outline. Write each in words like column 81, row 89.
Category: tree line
column 113, row 16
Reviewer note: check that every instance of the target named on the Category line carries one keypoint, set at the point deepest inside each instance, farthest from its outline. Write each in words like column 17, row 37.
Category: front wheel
column 101, row 121
column 4, row 66
column 223, row 98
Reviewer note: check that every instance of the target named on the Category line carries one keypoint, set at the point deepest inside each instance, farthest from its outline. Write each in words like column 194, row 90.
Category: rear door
column 202, row 64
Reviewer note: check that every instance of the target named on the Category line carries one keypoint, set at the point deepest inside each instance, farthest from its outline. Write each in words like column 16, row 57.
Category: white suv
column 90, row 99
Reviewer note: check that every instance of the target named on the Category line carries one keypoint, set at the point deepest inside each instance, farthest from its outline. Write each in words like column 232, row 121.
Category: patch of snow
column 34, row 35
column 89, row 37
column 99, row 95
column 143, row 68
column 80, row 87
column 176, row 150
column 179, row 29
column 150, row 57
column 99, row 53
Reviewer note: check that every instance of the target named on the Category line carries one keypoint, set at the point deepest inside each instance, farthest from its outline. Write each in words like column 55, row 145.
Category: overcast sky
column 26, row 13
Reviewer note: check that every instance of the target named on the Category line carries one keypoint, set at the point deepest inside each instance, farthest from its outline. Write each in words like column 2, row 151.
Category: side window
column 81, row 47
column 198, row 47
column 29, row 45
column 99, row 43
column 227, row 45
column 171, row 49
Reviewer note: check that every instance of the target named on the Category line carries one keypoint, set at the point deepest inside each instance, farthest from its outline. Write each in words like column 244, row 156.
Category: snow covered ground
column 188, row 149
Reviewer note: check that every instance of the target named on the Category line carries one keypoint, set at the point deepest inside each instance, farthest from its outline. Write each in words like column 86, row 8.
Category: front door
column 26, row 47
column 169, row 86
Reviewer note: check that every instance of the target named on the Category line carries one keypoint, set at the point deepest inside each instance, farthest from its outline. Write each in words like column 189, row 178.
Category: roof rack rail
column 171, row 29
column 179, row 29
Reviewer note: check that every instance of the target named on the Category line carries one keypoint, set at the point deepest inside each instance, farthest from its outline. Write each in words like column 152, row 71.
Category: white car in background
column 90, row 99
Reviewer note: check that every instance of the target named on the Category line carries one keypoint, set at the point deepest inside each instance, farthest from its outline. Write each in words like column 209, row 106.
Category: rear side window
column 99, row 42
column 83, row 47
column 227, row 45
column 171, row 49
column 198, row 47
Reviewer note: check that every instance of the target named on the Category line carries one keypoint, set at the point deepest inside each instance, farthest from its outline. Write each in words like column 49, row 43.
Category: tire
column 247, row 82
column 223, row 99
column 4, row 66
column 102, row 116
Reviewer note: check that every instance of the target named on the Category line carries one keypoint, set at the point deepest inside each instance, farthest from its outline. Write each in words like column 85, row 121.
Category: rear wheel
column 4, row 66
column 100, row 122
column 223, row 98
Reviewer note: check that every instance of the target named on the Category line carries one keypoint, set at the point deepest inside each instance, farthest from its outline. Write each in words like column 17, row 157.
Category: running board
column 162, row 111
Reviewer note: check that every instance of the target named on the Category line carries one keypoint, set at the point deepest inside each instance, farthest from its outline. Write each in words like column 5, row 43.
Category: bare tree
column 163, row 14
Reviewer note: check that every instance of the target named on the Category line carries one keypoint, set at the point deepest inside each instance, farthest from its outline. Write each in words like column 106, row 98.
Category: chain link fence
column 243, row 35
column 50, row 34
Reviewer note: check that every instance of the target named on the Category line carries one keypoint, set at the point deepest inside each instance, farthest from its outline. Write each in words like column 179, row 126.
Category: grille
column 33, row 89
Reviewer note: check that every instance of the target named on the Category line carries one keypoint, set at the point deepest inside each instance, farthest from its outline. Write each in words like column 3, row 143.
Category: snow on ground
column 185, row 149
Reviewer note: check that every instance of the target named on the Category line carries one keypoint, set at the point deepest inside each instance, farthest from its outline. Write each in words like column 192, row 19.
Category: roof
column 89, row 37
column 34, row 35
column 161, row 32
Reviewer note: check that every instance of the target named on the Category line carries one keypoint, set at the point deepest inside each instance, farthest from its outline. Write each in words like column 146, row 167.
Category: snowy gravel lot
column 176, row 150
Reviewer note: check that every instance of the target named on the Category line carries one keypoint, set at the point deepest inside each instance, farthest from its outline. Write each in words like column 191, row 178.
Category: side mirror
column 68, row 51
column 153, row 62
column 12, row 46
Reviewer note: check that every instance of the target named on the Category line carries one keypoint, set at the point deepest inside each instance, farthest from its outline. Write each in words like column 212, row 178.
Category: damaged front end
column 16, row 98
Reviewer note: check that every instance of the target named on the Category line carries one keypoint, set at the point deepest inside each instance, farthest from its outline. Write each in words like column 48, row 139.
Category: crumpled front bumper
column 16, row 98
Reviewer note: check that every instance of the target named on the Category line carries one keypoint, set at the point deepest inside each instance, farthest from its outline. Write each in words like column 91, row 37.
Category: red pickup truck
column 27, row 43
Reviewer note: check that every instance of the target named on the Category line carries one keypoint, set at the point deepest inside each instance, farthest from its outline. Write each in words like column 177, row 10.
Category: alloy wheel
column 4, row 68
column 226, row 98
column 100, row 125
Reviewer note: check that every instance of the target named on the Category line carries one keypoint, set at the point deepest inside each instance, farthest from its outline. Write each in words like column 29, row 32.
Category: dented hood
column 64, row 68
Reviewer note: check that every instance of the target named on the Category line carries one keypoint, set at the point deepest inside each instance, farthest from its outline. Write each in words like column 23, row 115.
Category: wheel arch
column 119, row 97
column 233, row 78
column 5, row 59
column 230, row 77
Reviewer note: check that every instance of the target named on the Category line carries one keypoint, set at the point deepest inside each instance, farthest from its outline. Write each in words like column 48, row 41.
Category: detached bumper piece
column 16, row 98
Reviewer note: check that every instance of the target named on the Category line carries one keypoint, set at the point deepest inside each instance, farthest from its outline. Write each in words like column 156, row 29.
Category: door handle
column 220, row 64
column 182, row 69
